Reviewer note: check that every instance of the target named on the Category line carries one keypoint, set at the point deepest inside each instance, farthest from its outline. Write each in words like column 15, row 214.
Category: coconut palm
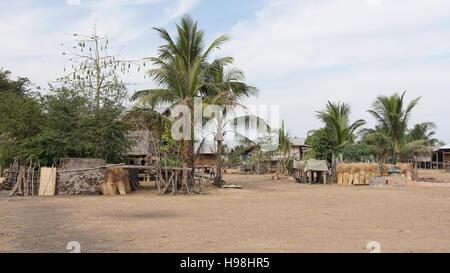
column 284, row 146
column 336, row 117
column 180, row 73
column 424, row 131
column 226, row 88
column 392, row 117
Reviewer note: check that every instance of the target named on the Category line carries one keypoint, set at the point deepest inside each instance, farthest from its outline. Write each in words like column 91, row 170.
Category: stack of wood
column 362, row 173
column 22, row 180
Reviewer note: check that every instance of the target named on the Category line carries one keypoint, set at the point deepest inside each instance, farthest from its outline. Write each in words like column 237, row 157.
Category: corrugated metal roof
column 447, row 147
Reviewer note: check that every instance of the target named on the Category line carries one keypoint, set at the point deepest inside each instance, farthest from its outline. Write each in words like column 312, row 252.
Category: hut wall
column 73, row 180
column 445, row 156
column 206, row 160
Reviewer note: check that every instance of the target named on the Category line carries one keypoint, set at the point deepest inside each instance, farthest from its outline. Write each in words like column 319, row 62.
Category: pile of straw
column 362, row 173
column 117, row 182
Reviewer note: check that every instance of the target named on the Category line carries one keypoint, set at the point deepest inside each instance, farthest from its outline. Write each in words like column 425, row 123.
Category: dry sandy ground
column 434, row 176
column 265, row 216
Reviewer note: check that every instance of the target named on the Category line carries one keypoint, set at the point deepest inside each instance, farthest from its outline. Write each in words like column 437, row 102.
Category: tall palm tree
column 336, row 117
column 180, row 73
column 392, row 117
column 284, row 146
column 226, row 88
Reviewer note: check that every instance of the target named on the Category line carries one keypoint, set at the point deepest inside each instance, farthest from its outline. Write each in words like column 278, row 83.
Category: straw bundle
column 357, row 175
column 362, row 173
column 116, row 182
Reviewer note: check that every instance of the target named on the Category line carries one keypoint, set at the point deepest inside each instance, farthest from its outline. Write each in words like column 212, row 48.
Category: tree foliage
column 62, row 123
column 322, row 144
column 336, row 117
column 392, row 116
column 356, row 152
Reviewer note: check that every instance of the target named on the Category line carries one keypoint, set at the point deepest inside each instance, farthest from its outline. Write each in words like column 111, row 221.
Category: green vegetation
column 322, row 144
column 390, row 138
column 62, row 123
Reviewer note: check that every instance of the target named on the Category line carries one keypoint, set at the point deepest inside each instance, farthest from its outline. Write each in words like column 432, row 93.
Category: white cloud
column 302, row 53
column 374, row 2
column 73, row 2
column 305, row 35
column 180, row 8
column 35, row 33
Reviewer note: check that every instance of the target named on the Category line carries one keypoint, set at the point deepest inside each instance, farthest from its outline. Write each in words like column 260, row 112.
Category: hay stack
column 406, row 170
column 351, row 173
column 374, row 171
column 357, row 174
column 345, row 173
column 409, row 172
column 364, row 168
column 340, row 173
column 117, row 182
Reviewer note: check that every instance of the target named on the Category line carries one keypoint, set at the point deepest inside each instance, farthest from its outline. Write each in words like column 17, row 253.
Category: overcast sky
column 299, row 53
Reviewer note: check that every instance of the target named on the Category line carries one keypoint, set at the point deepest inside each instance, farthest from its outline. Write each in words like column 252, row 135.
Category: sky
column 299, row 53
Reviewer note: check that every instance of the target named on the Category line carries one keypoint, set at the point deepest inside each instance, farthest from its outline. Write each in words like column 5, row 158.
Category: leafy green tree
column 322, row 144
column 20, row 115
column 62, row 123
column 336, row 117
column 356, row 152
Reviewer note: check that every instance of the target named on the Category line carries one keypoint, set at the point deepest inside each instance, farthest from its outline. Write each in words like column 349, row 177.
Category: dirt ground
column 264, row 216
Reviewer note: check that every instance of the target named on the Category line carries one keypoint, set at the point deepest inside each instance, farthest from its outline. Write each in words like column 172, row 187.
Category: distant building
column 207, row 155
column 443, row 154
column 425, row 157
column 298, row 147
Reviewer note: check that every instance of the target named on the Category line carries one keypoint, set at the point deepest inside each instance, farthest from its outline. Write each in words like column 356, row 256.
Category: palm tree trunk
column 218, row 179
column 188, row 161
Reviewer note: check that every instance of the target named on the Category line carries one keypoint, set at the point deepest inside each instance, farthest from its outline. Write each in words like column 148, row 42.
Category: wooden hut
column 298, row 147
column 143, row 151
column 311, row 170
column 206, row 156
column 443, row 156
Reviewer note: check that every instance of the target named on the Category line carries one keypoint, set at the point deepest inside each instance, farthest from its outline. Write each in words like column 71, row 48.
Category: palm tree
column 392, row 118
column 284, row 147
column 424, row 131
column 180, row 73
column 336, row 117
column 226, row 88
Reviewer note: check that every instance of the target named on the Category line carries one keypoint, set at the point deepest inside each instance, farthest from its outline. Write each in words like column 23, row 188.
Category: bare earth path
column 266, row 216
